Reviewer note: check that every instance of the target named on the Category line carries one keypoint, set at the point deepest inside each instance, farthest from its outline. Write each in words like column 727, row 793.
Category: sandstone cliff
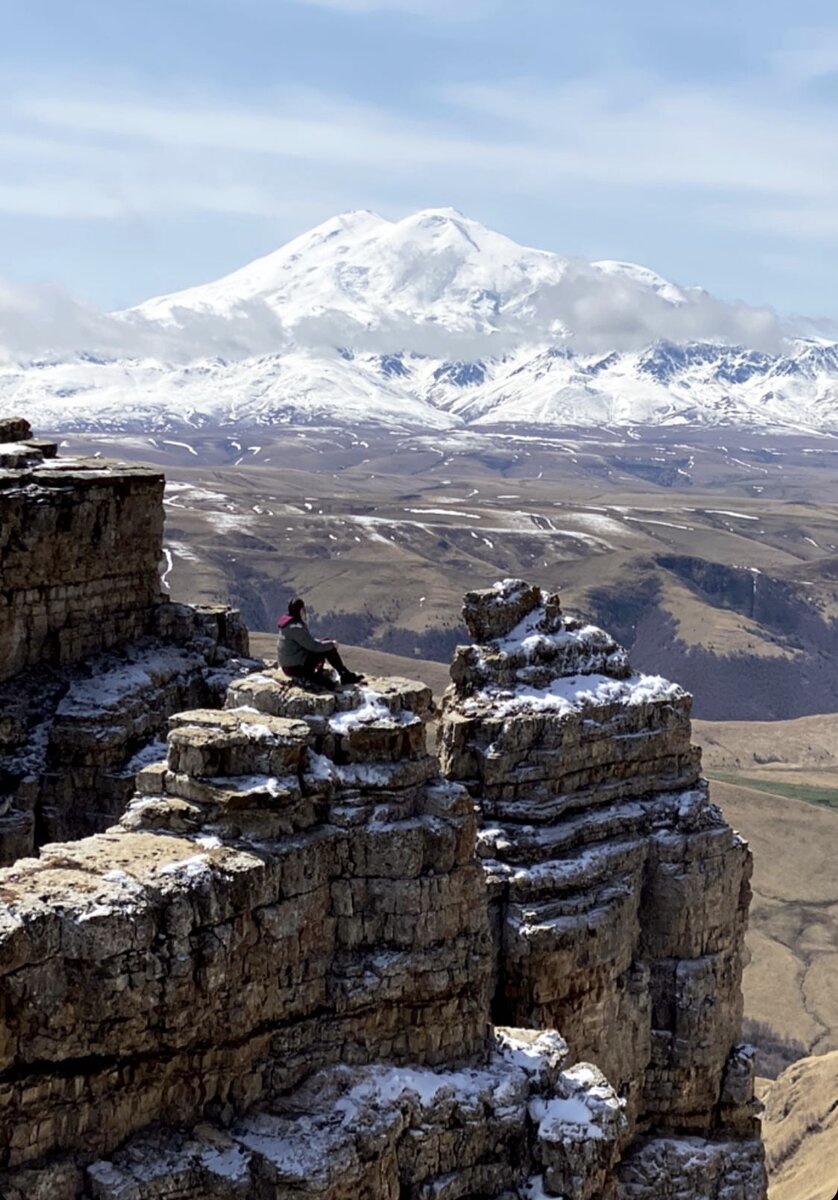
column 275, row 977
column 92, row 659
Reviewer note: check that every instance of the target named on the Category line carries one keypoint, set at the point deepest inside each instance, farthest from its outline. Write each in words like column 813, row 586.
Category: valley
column 714, row 562
column 712, row 559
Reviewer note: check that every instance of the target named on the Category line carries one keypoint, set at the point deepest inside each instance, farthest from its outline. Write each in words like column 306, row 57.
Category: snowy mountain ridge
column 431, row 322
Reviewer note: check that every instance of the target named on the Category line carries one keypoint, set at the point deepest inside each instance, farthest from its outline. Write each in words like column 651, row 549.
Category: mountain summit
column 435, row 268
column 442, row 272
column 431, row 321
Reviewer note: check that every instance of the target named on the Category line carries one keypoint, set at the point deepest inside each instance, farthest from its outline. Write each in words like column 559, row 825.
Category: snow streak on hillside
column 432, row 322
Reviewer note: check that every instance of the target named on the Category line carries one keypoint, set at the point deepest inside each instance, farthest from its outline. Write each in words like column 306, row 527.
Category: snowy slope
column 430, row 322
column 435, row 269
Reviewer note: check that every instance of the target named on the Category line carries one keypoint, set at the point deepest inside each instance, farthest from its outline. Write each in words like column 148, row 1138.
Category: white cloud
column 36, row 321
column 641, row 134
column 187, row 152
column 803, row 222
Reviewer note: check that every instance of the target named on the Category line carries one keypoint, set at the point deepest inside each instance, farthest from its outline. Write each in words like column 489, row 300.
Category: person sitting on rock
column 304, row 657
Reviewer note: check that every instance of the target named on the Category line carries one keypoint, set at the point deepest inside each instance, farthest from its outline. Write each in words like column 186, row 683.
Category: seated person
column 302, row 656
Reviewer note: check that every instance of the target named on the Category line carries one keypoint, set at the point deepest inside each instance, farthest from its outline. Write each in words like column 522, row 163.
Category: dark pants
column 314, row 663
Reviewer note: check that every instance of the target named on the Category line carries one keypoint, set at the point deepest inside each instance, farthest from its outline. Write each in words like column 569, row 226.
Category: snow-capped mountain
column 434, row 321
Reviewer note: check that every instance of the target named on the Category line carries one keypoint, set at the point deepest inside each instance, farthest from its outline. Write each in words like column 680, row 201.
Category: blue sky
column 146, row 145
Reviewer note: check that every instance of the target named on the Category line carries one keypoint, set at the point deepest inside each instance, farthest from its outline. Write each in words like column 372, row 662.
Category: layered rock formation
column 275, row 977
column 618, row 894
column 80, row 542
column 286, row 940
column 92, row 660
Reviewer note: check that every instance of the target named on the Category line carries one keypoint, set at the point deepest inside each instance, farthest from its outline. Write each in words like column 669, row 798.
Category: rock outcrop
column 80, row 546
column 618, row 894
column 92, row 660
column 314, row 959
column 283, row 950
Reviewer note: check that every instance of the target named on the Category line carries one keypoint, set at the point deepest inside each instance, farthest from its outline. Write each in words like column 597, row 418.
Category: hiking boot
column 323, row 681
column 348, row 677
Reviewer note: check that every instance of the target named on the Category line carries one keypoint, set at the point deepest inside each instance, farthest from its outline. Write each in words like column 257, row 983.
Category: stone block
column 494, row 612
column 14, row 429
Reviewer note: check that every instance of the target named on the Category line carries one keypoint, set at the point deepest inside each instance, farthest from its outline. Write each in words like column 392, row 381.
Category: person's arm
column 304, row 639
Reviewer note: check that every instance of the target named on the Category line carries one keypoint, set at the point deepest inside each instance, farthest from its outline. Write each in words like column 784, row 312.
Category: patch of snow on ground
column 104, row 690
column 191, row 868
column 255, row 732
column 668, row 524
column 181, row 550
column 244, row 785
column 551, row 1114
column 724, row 512
column 227, row 522
column 445, row 512
column 369, row 524
column 231, row 1163
column 530, row 1056
column 318, row 766
column 371, row 709
column 573, row 692
column 534, row 1189
column 154, row 752
column 527, row 638
column 176, row 486
column 164, row 578
column 372, row 775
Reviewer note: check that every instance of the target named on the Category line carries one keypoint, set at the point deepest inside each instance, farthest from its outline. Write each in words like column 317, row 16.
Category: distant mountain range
column 432, row 322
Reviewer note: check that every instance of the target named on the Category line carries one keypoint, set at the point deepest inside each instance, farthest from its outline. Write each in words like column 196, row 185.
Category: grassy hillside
column 806, row 743
column 777, row 782
column 791, row 983
column 800, row 1128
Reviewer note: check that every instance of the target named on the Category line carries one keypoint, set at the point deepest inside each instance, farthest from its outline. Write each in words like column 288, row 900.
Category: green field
column 827, row 797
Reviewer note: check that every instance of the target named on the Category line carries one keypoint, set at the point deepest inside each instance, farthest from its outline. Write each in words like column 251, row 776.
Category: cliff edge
column 315, row 959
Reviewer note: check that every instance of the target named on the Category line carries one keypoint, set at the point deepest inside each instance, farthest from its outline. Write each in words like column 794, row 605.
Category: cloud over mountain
column 435, row 283
column 432, row 320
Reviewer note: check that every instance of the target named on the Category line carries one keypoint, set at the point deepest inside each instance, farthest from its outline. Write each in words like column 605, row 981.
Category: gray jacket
column 295, row 643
